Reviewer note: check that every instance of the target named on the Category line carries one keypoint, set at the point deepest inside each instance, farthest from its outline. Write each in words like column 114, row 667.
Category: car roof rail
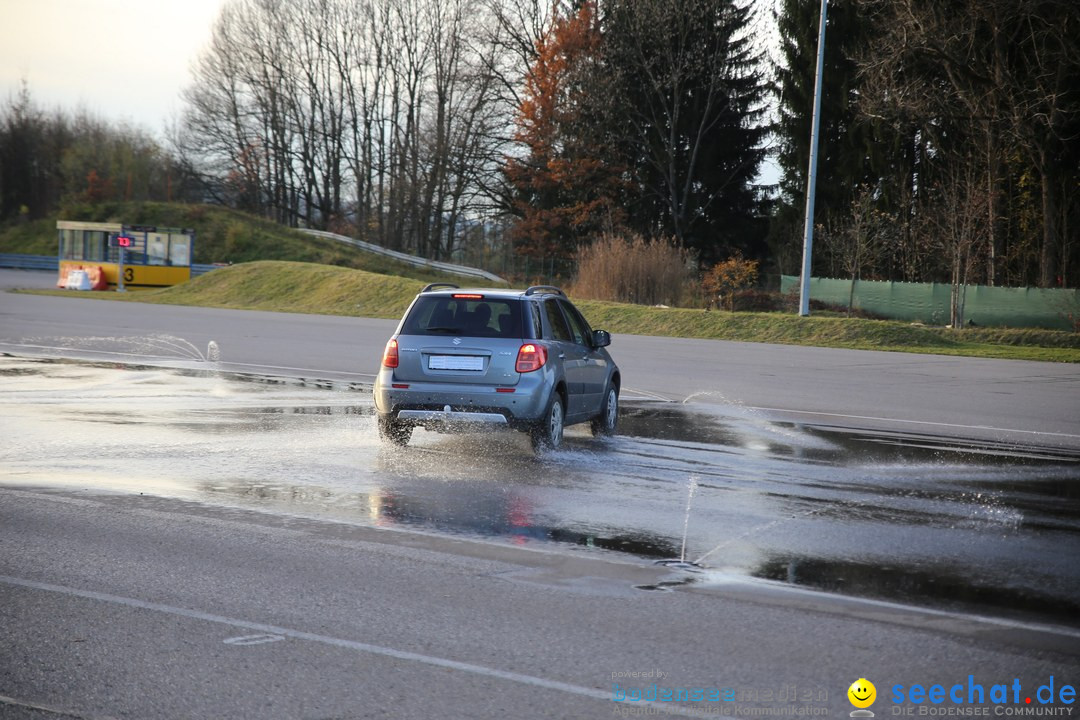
column 544, row 288
column 433, row 286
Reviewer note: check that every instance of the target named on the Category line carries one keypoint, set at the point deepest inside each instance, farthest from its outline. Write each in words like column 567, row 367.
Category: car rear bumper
column 446, row 407
column 452, row 417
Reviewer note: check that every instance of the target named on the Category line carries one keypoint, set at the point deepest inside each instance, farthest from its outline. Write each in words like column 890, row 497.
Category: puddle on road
column 986, row 527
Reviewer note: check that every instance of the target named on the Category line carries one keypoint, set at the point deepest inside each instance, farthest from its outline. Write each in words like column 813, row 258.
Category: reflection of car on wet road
column 469, row 360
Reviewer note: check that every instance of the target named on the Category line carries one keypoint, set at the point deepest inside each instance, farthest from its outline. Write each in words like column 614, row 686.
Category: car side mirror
column 601, row 338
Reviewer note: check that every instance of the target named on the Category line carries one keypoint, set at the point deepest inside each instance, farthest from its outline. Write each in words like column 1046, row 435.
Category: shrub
column 634, row 270
column 725, row 279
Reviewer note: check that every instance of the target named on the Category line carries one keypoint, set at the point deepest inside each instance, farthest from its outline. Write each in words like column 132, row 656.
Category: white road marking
column 66, row 351
column 912, row 422
column 253, row 639
column 349, row 644
column 297, row 369
column 657, row 396
column 5, row 700
column 96, row 352
column 721, row 579
column 646, row 394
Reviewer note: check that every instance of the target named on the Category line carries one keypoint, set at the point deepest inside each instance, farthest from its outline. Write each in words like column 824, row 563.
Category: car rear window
column 472, row 317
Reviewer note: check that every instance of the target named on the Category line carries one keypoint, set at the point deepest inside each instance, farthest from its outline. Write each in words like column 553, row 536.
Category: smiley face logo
column 862, row 693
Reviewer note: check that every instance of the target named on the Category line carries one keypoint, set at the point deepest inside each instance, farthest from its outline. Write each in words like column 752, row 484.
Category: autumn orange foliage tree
column 564, row 187
column 98, row 189
column 726, row 278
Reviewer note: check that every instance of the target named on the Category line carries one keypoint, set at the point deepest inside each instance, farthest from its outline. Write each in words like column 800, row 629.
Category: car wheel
column 606, row 421
column 548, row 433
column 394, row 432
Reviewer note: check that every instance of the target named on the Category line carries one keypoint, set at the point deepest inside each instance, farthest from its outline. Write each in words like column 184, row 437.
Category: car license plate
column 456, row 362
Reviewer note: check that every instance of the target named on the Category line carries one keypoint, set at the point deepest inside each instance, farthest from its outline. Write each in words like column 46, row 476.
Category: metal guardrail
column 20, row 261
column 462, row 270
column 201, row 269
column 50, row 262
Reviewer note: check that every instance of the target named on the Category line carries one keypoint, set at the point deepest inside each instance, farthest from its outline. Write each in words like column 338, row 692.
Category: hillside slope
column 222, row 236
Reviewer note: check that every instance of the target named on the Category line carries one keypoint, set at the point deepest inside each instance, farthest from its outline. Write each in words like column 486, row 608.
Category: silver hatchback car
column 466, row 360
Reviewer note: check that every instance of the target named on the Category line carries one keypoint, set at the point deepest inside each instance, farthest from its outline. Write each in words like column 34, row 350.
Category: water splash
column 692, row 397
column 160, row 345
column 171, row 343
column 691, row 489
column 759, row 528
column 681, row 563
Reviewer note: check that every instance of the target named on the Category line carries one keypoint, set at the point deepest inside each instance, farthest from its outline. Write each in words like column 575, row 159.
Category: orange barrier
column 94, row 273
column 98, row 281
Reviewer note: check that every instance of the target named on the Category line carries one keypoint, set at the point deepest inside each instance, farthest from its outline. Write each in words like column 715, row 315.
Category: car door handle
column 562, row 356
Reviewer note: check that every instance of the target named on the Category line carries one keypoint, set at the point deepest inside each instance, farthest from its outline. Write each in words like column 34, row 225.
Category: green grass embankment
column 37, row 237
column 294, row 287
column 855, row 333
column 308, row 288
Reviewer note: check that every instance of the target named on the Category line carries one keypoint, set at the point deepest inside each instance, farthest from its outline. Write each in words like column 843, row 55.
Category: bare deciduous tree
column 957, row 221
column 861, row 239
column 991, row 75
column 375, row 114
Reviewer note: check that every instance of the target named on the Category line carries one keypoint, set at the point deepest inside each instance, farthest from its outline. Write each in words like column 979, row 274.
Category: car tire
column 608, row 419
column 394, row 432
column 548, row 433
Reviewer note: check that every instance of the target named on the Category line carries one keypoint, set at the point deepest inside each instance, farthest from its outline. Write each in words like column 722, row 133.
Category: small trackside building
column 131, row 257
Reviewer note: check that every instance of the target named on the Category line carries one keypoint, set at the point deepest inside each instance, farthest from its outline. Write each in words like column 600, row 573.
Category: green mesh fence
column 929, row 302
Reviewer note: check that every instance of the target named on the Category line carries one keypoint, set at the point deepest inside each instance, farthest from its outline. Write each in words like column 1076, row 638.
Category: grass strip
column 328, row 290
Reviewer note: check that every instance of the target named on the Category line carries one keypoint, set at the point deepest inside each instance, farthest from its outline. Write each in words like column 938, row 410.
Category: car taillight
column 390, row 356
column 531, row 357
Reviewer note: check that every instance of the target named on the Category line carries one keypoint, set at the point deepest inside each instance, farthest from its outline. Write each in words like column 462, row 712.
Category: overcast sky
column 122, row 60
column 119, row 59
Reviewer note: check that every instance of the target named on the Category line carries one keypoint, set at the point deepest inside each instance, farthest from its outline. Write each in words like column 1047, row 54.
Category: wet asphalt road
column 136, row 607
column 153, row 513
column 1019, row 401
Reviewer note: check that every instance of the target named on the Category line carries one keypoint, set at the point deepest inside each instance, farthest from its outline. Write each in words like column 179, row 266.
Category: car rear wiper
column 451, row 330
